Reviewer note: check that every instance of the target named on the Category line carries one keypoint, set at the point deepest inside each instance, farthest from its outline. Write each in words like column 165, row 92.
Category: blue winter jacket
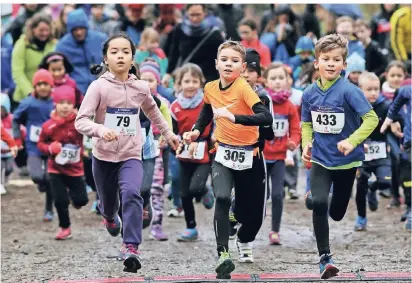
column 82, row 54
column 7, row 83
column 31, row 112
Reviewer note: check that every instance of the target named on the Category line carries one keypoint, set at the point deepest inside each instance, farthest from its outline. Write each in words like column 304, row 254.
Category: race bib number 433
column 122, row 120
column 235, row 157
column 328, row 119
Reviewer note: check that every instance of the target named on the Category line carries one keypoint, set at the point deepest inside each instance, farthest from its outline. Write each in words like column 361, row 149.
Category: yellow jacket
column 401, row 33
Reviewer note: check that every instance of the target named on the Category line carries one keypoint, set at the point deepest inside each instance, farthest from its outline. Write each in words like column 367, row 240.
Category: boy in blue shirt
column 332, row 137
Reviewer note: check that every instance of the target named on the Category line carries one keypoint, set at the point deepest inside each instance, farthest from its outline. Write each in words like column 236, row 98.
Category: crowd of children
column 233, row 143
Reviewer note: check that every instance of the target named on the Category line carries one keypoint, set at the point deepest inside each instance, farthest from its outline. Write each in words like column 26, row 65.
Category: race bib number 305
column 328, row 119
column 376, row 150
column 235, row 157
column 122, row 120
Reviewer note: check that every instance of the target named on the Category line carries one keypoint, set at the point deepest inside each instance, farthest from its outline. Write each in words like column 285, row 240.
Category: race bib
column 122, row 120
column 280, row 126
column 87, row 142
column 199, row 154
column 34, row 133
column 70, row 154
column 235, row 157
column 328, row 119
column 376, row 150
column 143, row 135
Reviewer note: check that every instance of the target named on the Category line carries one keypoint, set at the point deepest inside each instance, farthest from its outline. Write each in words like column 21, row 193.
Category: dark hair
column 45, row 62
column 196, row 4
column 397, row 64
column 102, row 68
column 249, row 22
column 96, row 5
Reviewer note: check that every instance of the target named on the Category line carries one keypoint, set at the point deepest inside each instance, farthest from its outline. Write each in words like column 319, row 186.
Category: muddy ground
column 30, row 254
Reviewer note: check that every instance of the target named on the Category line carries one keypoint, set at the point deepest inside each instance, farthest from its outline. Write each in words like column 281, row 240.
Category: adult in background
column 16, row 27
column 193, row 41
column 231, row 15
column 381, row 26
column 167, row 20
column 401, row 34
column 28, row 52
column 82, row 46
column 61, row 22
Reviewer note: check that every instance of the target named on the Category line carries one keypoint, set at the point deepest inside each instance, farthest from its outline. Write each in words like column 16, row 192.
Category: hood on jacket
column 352, row 10
column 111, row 78
column 5, row 102
column 304, row 43
column 379, row 100
column 77, row 19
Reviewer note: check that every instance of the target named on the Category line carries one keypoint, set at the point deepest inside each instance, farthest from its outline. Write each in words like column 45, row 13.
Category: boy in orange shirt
column 238, row 112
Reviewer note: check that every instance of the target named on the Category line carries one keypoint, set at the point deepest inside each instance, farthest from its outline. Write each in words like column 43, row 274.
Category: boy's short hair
column 362, row 23
column 344, row 19
column 275, row 65
column 330, row 42
column 366, row 77
column 235, row 45
column 250, row 22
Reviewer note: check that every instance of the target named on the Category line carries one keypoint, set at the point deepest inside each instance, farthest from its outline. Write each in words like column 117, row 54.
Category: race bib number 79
column 235, row 157
column 122, row 120
column 328, row 120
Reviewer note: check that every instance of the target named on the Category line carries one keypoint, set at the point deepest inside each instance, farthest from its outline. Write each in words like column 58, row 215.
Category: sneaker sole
column 62, row 239
column 359, row 229
column 275, row 243
column 131, row 264
column 224, row 269
column 246, row 260
column 233, row 237
column 329, row 272
column 117, row 232
column 161, row 239
column 187, row 240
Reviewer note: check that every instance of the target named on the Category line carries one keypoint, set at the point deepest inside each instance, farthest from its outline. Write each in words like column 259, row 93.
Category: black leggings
column 193, row 179
column 250, row 201
column 320, row 181
column 405, row 175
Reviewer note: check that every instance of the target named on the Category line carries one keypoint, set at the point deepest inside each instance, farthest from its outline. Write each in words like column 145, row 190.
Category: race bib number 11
column 328, row 119
column 122, row 120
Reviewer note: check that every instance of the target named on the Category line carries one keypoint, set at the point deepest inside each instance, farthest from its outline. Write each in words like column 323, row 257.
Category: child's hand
column 306, row 154
column 110, row 135
column 55, row 148
column 365, row 148
column 397, row 129
column 166, row 80
column 189, row 137
column 223, row 113
column 173, row 142
column 291, row 145
column 386, row 124
column 180, row 148
column 192, row 148
column 289, row 162
column 14, row 150
column 345, row 147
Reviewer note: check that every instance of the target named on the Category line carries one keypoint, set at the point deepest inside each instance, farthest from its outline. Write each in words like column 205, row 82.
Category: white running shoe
column 2, row 190
column 176, row 212
column 245, row 251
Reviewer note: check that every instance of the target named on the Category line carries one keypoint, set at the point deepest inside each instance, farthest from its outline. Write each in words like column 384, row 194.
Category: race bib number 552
column 122, row 120
column 235, row 157
column 328, row 119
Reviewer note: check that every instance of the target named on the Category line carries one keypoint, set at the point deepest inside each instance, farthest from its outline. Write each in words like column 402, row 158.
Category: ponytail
column 99, row 70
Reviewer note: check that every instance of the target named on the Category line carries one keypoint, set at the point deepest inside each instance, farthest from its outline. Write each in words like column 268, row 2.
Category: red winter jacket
column 286, row 125
column 62, row 130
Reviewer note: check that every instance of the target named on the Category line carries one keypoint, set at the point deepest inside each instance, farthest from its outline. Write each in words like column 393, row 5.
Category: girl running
column 287, row 136
column 193, row 172
column 110, row 114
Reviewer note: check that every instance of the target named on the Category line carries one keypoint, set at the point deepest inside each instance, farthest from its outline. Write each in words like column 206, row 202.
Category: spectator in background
column 381, row 26
column 374, row 56
column 132, row 23
column 168, row 18
column 305, row 50
column 28, row 52
column 82, row 46
column 7, row 83
column 97, row 17
column 193, row 41
column 231, row 16
column 16, row 27
column 345, row 26
column 310, row 23
column 401, row 33
column 61, row 22
column 249, row 34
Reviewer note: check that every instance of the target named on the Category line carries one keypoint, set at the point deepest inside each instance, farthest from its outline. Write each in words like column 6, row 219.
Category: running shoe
column 122, row 253
column 148, row 214
column 24, row 172
column 48, row 216
column 2, row 190
column 308, row 200
column 360, row 224
column 156, row 233
column 64, row 234
column 132, row 259
column 233, row 230
column 113, row 226
column 94, row 207
column 372, row 200
column 327, row 267
column 408, row 222
column 395, row 202
column 188, row 235
column 293, row 194
column 385, row 193
column 224, row 266
column 406, row 214
column 176, row 212
column 274, row 238
column 245, row 251
column 208, row 199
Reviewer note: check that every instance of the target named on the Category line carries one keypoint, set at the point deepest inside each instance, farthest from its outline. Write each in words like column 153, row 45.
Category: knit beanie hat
column 355, row 64
column 66, row 93
column 151, row 67
column 43, row 75
column 253, row 60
